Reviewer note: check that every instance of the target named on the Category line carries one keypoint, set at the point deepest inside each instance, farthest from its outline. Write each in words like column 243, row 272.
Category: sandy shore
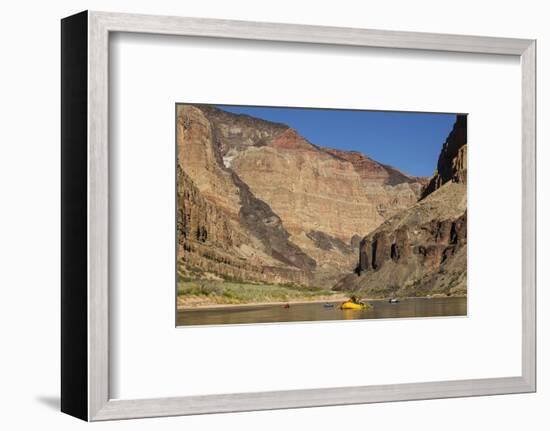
column 338, row 298
column 328, row 299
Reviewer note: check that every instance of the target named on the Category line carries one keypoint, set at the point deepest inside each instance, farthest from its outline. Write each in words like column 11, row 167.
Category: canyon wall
column 452, row 162
column 260, row 202
column 421, row 250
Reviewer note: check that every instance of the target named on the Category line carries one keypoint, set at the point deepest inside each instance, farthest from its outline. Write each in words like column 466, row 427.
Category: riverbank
column 213, row 293
column 336, row 299
column 195, row 294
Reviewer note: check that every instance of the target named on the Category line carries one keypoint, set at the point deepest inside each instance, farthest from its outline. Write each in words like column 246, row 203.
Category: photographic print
column 302, row 214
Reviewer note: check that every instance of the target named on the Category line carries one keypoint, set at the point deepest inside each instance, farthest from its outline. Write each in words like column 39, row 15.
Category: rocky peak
column 235, row 132
column 452, row 162
column 372, row 170
column 291, row 140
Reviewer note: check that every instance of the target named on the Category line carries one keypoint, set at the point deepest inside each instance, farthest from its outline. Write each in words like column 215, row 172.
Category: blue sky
column 409, row 141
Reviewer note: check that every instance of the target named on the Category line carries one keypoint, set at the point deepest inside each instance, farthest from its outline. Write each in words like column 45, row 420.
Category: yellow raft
column 348, row 305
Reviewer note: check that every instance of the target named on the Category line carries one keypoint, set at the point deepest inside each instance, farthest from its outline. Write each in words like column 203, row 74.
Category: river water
column 413, row 307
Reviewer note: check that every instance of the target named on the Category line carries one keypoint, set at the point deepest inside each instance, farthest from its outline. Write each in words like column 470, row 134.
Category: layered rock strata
column 421, row 250
column 257, row 201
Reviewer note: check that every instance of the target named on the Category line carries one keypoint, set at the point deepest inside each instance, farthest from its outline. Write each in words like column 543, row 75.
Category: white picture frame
column 85, row 216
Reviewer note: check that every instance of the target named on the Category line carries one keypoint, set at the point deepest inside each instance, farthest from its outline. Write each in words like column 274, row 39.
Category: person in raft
column 355, row 300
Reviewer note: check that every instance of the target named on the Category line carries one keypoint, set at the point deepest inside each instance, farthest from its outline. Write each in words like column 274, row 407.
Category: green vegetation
column 192, row 292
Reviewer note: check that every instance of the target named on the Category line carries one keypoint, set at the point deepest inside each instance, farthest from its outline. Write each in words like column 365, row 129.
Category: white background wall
column 29, row 216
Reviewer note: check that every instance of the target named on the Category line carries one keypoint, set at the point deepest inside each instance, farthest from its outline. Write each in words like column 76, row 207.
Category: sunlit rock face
column 258, row 201
column 422, row 249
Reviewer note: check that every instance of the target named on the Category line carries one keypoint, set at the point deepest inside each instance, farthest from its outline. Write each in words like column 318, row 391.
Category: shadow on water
column 413, row 307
